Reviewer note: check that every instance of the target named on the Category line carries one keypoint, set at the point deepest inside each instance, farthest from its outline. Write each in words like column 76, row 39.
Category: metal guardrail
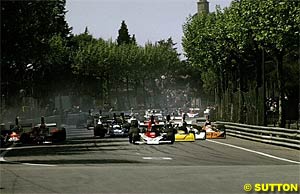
column 272, row 135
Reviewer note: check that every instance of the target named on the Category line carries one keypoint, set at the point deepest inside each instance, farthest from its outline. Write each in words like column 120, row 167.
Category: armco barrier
column 272, row 135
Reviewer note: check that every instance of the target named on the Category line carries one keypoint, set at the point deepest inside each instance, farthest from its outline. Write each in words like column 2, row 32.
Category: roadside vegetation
column 248, row 56
column 42, row 59
column 242, row 60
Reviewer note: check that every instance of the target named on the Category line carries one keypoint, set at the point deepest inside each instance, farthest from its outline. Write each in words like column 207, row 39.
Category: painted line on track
column 3, row 153
column 256, row 152
column 157, row 158
column 29, row 164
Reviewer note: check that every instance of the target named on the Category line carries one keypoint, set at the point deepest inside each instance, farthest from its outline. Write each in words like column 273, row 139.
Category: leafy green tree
column 269, row 27
column 277, row 33
column 26, row 30
column 233, row 43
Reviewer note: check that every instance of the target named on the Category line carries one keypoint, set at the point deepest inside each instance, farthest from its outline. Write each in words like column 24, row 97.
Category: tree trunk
column 241, row 96
column 260, row 80
column 279, row 61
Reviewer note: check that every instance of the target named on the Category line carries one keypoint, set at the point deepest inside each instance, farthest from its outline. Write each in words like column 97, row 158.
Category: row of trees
column 42, row 59
column 117, row 69
column 244, row 48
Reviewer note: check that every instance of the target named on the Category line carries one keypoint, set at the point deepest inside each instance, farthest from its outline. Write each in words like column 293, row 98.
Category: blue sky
column 149, row 20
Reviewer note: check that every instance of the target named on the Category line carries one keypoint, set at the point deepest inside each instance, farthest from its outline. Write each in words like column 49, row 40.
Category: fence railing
column 272, row 135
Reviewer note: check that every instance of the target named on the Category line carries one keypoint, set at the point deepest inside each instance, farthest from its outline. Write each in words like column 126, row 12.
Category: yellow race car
column 183, row 135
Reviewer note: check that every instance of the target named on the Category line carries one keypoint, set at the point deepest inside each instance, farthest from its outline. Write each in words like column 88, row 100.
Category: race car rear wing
column 48, row 125
column 144, row 125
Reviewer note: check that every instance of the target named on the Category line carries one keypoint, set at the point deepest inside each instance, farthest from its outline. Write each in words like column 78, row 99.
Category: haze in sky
column 149, row 20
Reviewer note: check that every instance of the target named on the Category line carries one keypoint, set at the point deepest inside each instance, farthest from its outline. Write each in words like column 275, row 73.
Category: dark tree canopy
column 133, row 39
column 123, row 37
column 27, row 30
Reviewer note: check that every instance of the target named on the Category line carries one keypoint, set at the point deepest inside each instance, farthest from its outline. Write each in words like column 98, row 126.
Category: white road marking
column 30, row 164
column 2, row 159
column 257, row 152
column 3, row 153
column 167, row 158
column 157, row 158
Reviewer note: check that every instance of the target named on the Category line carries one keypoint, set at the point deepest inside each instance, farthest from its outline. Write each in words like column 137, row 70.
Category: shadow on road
column 70, row 147
column 79, row 161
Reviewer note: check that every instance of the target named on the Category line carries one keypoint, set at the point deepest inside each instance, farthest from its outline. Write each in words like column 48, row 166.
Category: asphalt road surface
column 112, row 165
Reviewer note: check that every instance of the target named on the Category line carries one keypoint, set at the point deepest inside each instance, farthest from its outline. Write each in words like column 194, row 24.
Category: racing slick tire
column 3, row 141
column 171, row 136
column 173, row 139
column 59, row 136
column 102, row 135
column 135, row 138
column 25, row 138
column 222, row 127
column 100, row 131
column 64, row 134
column 133, row 134
column 130, row 138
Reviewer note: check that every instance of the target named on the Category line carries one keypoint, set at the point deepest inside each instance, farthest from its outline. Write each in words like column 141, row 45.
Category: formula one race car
column 17, row 131
column 186, row 132
column 212, row 131
column 119, row 126
column 182, row 135
column 157, row 134
column 14, row 133
column 10, row 136
column 200, row 134
column 99, row 124
column 215, row 132
column 43, row 133
column 118, row 129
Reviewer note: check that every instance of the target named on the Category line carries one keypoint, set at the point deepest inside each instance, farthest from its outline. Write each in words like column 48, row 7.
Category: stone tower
column 203, row 7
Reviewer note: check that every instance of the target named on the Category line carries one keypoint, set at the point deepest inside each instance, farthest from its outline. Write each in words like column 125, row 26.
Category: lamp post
column 30, row 71
column 163, row 77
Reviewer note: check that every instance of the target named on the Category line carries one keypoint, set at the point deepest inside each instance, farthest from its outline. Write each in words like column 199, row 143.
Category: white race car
column 156, row 135
column 199, row 134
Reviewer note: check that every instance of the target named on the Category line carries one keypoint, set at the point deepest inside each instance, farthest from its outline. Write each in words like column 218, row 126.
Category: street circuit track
column 112, row 165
